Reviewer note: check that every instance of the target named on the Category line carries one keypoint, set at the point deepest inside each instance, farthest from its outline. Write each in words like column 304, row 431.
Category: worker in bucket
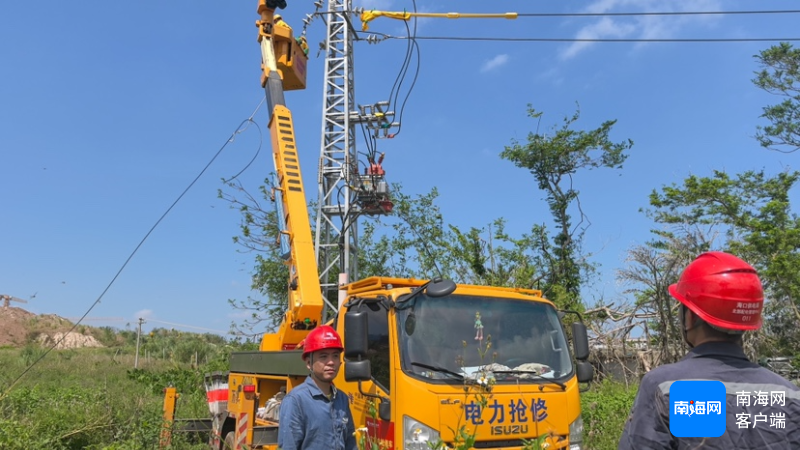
column 314, row 415
column 277, row 19
column 720, row 297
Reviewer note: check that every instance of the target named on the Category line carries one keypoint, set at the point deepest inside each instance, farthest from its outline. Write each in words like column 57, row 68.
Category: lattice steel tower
column 344, row 193
column 337, row 156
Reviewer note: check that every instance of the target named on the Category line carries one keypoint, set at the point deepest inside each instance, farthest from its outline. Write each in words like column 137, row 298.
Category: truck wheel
column 230, row 441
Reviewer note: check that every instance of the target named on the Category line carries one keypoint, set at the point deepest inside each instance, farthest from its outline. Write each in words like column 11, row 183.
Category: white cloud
column 604, row 28
column 552, row 75
column 144, row 314
column 641, row 27
column 494, row 63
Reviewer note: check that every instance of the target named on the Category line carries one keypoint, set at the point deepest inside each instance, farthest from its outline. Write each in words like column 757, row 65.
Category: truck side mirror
column 357, row 371
column 356, row 344
column 440, row 288
column 385, row 410
column 580, row 341
column 585, row 372
column 355, row 335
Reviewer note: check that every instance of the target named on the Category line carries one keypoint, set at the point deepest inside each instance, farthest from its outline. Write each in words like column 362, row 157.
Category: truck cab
column 427, row 364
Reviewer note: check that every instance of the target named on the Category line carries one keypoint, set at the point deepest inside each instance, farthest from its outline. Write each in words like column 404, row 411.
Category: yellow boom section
column 305, row 297
column 369, row 16
column 283, row 63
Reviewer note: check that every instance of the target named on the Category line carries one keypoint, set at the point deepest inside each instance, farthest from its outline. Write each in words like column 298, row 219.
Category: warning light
column 249, row 388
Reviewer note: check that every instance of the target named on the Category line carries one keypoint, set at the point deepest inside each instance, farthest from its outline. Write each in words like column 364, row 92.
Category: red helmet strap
column 310, row 364
column 698, row 322
column 685, row 331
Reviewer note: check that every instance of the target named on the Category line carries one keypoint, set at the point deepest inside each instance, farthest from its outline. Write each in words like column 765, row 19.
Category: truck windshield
column 444, row 336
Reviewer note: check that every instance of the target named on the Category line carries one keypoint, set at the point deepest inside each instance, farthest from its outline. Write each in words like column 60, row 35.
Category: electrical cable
column 374, row 145
column 408, row 94
column 413, row 45
column 260, row 142
column 238, row 130
column 347, row 221
column 657, row 13
column 258, row 150
column 403, row 69
column 599, row 40
column 368, row 142
column 401, row 76
column 649, row 13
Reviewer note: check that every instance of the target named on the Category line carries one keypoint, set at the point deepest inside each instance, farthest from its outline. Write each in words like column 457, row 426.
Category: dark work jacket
column 310, row 421
column 648, row 424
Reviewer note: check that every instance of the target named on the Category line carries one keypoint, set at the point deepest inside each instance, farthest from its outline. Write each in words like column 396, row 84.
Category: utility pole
column 7, row 299
column 138, row 336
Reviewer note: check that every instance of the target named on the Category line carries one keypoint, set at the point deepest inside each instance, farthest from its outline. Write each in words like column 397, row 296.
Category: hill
column 19, row 327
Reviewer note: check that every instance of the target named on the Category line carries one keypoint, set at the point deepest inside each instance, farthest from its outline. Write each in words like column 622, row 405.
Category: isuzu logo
column 509, row 429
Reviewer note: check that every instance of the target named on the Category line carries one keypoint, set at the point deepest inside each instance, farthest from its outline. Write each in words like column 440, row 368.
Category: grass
column 605, row 408
column 93, row 399
column 82, row 399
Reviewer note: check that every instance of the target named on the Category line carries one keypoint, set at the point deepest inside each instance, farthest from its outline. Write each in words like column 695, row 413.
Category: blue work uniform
column 647, row 427
column 309, row 420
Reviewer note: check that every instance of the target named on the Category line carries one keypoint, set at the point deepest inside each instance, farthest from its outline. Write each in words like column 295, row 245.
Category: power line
column 238, row 130
column 657, row 13
column 368, row 16
column 514, row 15
column 599, row 40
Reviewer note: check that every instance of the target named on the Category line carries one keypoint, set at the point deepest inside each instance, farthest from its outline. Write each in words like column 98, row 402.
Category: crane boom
column 283, row 65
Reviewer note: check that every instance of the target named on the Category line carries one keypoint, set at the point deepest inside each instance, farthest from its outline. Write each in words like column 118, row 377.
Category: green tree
column 259, row 234
column 554, row 160
column 754, row 213
column 417, row 242
column 410, row 243
column 780, row 75
column 421, row 244
column 414, row 242
column 649, row 271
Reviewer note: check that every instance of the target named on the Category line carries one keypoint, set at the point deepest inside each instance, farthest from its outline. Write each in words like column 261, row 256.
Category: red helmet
column 723, row 290
column 321, row 338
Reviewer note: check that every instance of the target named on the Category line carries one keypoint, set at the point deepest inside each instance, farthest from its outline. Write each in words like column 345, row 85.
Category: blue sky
column 108, row 110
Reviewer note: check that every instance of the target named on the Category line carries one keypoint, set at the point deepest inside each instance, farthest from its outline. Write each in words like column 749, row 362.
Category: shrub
column 605, row 409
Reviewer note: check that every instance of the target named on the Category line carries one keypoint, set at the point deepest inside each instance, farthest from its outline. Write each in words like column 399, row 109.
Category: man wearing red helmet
column 314, row 415
column 720, row 298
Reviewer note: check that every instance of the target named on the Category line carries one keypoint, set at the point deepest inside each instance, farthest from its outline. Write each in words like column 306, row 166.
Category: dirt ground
column 19, row 327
